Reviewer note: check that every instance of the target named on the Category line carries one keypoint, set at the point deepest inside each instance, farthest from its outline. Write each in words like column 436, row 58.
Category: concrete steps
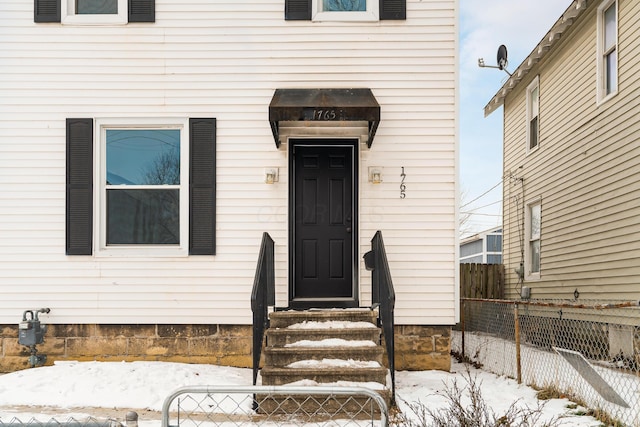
column 282, row 319
column 281, row 337
column 282, row 357
column 280, row 376
column 325, row 347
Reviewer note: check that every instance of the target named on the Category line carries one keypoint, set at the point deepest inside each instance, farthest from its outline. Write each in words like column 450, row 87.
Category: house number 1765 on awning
column 329, row 114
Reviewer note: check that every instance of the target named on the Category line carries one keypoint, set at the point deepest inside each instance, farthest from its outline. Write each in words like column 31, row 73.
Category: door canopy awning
column 324, row 107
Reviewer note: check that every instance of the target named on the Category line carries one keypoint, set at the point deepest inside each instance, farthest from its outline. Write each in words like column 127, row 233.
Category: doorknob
column 348, row 229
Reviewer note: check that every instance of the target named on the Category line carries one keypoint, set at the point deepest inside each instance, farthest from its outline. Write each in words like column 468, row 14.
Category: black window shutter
column 142, row 10
column 297, row 10
column 46, row 10
column 79, row 198
column 393, row 9
column 202, row 186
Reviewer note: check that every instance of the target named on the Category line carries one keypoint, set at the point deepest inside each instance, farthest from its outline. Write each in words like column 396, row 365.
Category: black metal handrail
column 262, row 296
column 384, row 297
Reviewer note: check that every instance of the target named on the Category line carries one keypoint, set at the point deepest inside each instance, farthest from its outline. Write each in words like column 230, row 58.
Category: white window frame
column 372, row 13
column 535, row 84
column 603, row 53
column 100, row 213
column 528, row 274
column 70, row 17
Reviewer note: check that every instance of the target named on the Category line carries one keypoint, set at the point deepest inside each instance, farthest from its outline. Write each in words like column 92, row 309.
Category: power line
column 480, row 214
column 482, row 207
column 482, row 195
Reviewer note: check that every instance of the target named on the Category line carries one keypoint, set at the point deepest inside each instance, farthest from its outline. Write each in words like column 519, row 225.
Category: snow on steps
column 325, row 347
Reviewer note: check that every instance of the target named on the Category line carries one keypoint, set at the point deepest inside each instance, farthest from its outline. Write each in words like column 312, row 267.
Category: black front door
column 323, row 223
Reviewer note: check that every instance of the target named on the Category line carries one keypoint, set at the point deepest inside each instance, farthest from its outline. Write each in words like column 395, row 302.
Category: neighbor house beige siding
column 585, row 172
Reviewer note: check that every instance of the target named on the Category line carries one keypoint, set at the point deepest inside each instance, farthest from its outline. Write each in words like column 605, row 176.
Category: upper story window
column 345, row 10
column 533, row 115
column 344, row 5
column 607, row 49
column 533, row 218
column 94, row 12
column 96, row 7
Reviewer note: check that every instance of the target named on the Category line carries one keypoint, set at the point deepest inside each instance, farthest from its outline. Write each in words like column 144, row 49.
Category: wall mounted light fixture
column 271, row 175
column 375, row 174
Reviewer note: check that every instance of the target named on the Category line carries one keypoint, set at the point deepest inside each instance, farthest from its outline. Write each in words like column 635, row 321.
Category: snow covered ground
column 110, row 389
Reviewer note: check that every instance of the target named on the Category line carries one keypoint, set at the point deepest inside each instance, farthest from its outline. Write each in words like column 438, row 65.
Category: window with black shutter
column 360, row 10
column 155, row 189
column 89, row 12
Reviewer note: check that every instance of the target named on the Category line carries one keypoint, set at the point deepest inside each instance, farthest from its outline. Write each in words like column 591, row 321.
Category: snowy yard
column 110, row 389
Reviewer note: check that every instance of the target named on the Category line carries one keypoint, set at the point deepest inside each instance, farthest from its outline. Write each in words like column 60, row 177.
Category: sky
column 484, row 26
column 73, row 390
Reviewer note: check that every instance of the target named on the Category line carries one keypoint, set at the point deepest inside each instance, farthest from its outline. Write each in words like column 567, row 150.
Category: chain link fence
column 71, row 422
column 274, row 406
column 228, row 406
column 589, row 351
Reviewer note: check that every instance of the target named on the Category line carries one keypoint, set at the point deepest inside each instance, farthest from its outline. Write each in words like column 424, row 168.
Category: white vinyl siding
column 224, row 60
column 586, row 173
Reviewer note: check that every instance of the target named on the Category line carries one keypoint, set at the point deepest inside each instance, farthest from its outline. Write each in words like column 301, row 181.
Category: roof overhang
column 565, row 22
column 322, row 108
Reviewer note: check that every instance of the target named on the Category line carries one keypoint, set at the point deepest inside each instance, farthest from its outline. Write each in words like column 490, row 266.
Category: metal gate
column 274, row 406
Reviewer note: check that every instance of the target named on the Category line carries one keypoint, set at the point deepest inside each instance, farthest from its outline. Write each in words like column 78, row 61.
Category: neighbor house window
column 533, row 115
column 154, row 192
column 532, row 244
column 607, row 49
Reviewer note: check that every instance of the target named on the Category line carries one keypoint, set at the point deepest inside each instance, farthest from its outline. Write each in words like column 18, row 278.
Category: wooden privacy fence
column 482, row 281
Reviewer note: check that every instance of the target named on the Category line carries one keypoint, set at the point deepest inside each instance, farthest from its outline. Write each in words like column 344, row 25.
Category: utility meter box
column 30, row 331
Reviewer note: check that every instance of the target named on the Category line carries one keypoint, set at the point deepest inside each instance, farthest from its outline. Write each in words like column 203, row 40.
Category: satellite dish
column 502, row 57
column 502, row 60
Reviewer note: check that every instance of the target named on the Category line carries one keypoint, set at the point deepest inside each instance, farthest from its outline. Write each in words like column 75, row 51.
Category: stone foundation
column 421, row 348
column 417, row 347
